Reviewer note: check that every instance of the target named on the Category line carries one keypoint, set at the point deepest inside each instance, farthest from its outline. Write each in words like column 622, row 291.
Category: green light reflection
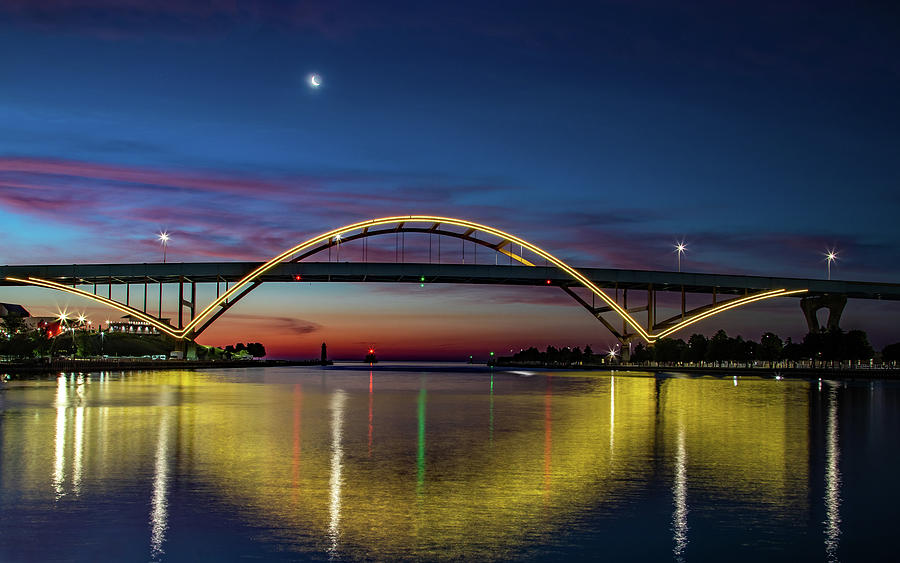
column 420, row 454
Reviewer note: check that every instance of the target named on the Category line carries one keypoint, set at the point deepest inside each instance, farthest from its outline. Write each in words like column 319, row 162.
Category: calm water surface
column 435, row 462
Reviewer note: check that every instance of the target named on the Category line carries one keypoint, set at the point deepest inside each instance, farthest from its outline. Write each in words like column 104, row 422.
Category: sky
column 762, row 134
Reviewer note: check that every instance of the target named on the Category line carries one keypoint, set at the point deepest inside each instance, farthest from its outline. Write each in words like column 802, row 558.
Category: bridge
column 533, row 266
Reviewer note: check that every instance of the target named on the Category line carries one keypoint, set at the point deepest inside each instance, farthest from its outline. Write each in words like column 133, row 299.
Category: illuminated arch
column 103, row 301
column 364, row 229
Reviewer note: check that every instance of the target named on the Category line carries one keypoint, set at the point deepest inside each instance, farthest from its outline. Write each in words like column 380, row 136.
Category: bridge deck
column 211, row 272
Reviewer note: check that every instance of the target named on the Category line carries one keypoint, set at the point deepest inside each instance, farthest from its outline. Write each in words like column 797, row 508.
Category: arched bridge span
column 483, row 235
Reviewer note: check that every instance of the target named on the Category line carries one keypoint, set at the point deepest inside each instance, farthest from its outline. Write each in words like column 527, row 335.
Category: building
column 7, row 309
column 51, row 325
column 133, row 325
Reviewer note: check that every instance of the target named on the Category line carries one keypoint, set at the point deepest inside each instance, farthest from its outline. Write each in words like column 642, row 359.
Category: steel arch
column 365, row 229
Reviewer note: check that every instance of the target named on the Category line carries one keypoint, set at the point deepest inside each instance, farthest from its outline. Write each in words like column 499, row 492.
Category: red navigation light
column 297, row 277
column 371, row 350
column 548, row 282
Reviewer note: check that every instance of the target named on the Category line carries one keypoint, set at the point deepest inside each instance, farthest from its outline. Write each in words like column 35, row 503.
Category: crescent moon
column 314, row 80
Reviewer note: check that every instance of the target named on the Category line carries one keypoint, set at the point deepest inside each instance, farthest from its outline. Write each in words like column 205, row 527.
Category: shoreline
column 15, row 369
column 789, row 372
column 110, row 364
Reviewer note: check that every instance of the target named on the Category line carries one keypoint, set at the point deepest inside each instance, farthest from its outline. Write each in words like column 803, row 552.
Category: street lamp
column 830, row 257
column 164, row 240
column 337, row 241
column 680, row 249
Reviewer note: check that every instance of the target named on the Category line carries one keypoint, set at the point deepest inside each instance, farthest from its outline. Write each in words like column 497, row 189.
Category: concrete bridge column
column 811, row 305
column 625, row 347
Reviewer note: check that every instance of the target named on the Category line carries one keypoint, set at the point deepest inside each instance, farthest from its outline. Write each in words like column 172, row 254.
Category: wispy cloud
column 239, row 216
column 211, row 214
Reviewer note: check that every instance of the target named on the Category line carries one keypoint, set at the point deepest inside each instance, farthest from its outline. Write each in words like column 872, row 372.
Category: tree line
column 816, row 349
column 825, row 348
column 239, row 351
column 19, row 341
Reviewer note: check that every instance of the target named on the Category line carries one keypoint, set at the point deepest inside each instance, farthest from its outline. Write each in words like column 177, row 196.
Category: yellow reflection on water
column 832, row 477
column 749, row 442
column 459, row 469
column 679, row 494
column 60, row 436
column 337, row 460
column 159, row 501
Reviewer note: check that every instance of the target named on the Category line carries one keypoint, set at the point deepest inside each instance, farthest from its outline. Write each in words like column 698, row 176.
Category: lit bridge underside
column 534, row 266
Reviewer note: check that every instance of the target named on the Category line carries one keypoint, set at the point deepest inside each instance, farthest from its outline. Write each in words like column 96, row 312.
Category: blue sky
column 762, row 134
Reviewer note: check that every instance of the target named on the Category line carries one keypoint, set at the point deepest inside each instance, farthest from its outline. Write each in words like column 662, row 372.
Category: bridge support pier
column 188, row 349
column 625, row 352
column 811, row 305
column 189, row 303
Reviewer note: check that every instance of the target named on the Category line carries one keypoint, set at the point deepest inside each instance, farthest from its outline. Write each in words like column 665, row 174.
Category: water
column 434, row 463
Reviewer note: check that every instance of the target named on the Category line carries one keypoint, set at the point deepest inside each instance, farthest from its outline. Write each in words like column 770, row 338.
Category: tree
column 256, row 349
column 792, row 351
column 669, row 349
column 588, row 355
column 770, row 348
column 856, row 346
column 748, row 350
column 814, row 346
column 13, row 324
column 41, row 342
column 717, row 349
column 697, row 345
column 577, row 357
column 642, row 354
column 891, row 353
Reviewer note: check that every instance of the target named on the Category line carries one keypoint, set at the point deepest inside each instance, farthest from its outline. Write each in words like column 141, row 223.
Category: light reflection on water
column 344, row 464
column 60, row 437
column 679, row 495
column 832, row 479
column 337, row 460
column 159, row 503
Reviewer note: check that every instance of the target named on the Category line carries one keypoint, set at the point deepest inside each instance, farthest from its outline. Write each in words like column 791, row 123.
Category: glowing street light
column 680, row 248
column 164, row 240
column 830, row 257
column 337, row 240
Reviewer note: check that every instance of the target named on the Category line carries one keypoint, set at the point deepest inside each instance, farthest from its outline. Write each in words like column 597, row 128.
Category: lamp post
column 164, row 240
column 680, row 249
column 830, row 257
